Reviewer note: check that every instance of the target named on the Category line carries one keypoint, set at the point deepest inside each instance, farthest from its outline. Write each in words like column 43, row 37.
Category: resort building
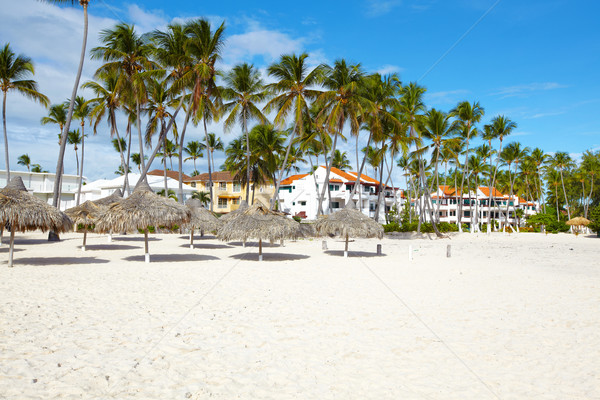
column 299, row 194
column 104, row 187
column 228, row 192
column 476, row 208
column 41, row 185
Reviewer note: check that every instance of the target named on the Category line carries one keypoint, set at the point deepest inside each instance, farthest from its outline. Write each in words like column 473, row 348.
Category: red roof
column 292, row 178
column 336, row 181
column 170, row 174
column 486, row 192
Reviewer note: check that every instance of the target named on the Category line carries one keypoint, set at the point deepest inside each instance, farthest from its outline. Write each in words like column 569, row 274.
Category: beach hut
column 243, row 206
column 258, row 222
column 348, row 222
column 201, row 218
column 23, row 211
column 578, row 223
column 117, row 195
column 83, row 214
column 142, row 209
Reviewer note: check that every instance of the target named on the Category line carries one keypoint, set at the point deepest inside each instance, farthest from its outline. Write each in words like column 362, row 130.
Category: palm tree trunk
column 590, row 197
column 5, row 137
column 565, row 193
column 245, row 129
column 464, row 172
column 380, row 190
column 210, row 183
column 328, row 170
column 63, row 145
column 275, row 198
column 492, row 185
column 140, row 139
column 81, row 169
column 556, row 196
column 359, row 172
column 126, row 180
column 181, row 138
column 164, row 142
column 116, row 132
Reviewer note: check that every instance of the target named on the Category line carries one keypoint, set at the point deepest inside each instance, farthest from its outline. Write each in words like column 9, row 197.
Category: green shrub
column 595, row 219
column 392, row 227
column 557, row 226
column 297, row 218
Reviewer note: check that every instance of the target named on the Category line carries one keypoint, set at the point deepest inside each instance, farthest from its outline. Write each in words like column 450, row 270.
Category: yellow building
column 227, row 192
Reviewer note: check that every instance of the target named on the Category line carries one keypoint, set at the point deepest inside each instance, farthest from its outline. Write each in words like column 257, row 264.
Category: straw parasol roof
column 578, row 221
column 142, row 209
column 243, row 206
column 117, row 195
column 84, row 212
column 25, row 212
column 201, row 217
column 348, row 222
column 260, row 223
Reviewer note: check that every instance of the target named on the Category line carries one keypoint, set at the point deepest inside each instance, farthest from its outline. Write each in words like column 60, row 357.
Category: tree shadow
column 254, row 244
column 6, row 248
column 198, row 237
column 59, row 260
column 340, row 253
column 172, row 258
column 200, row 245
column 98, row 247
column 134, row 239
column 269, row 256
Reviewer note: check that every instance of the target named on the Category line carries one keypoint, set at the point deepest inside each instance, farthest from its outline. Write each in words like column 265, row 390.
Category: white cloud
column 376, row 8
column 389, row 69
column 261, row 42
column 446, row 97
column 146, row 21
column 520, row 90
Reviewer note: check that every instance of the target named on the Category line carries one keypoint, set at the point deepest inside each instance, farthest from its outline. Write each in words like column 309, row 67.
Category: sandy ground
column 507, row 316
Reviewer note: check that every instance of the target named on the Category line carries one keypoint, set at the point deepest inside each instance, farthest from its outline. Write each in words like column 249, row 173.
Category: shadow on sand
column 5, row 248
column 133, row 239
column 265, row 244
column 172, row 258
column 198, row 237
column 340, row 253
column 59, row 260
column 97, row 247
column 269, row 256
column 200, row 245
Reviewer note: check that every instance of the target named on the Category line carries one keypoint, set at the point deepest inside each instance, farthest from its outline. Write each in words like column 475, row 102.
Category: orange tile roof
column 336, row 181
column 292, row 178
column 486, row 192
column 170, row 174
column 449, row 190
column 217, row 176
column 366, row 178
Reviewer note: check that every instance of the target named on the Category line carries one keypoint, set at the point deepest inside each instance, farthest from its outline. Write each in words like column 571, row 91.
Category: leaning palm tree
column 13, row 71
column 25, row 161
column 63, row 146
column 562, row 161
column 57, row 114
column 82, row 112
column 74, row 138
column 291, row 95
column 243, row 90
column 340, row 160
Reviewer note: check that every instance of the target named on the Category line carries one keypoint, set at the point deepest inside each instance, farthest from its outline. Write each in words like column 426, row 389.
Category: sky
column 535, row 61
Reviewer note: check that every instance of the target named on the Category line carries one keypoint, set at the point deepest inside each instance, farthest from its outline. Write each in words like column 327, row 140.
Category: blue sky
column 536, row 62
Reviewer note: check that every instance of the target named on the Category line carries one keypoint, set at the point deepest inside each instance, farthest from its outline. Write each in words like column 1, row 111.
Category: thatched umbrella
column 260, row 223
column 202, row 219
column 578, row 222
column 348, row 222
column 25, row 212
column 105, row 202
column 142, row 209
column 82, row 214
column 243, row 206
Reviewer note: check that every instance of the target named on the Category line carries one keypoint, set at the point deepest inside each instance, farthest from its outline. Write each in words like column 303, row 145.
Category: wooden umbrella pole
column 192, row 238
column 147, row 254
column 346, row 247
column 12, row 246
column 85, row 229
column 260, row 258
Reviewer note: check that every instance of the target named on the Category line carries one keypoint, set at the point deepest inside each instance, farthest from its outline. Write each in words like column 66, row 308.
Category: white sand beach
column 506, row 317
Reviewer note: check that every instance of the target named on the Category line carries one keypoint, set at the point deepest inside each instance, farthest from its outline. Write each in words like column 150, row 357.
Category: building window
column 222, row 203
column 222, row 185
column 334, row 188
column 237, row 187
column 302, row 203
column 235, row 201
column 371, row 206
column 467, row 214
column 193, row 184
column 260, row 189
column 335, row 204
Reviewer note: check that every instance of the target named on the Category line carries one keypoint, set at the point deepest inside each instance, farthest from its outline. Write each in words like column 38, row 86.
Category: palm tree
column 128, row 54
column 194, row 150
column 468, row 115
column 57, row 114
column 340, row 160
column 244, row 89
column 214, row 143
column 539, row 159
column 13, row 71
column 25, row 161
column 202, row 196
column 590, row 165
column 37, row 168
column 82, row 111
column 562, row 161
column 63, row 146
column 205, row 48
column 291, row 94
column 169, row 150
column 137, row 160
column 74, row 138
column 342, row 102
column 499, row 128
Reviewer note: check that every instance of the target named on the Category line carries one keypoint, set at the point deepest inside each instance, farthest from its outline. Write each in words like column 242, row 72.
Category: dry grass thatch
column 25, row 212
column 201, row 218
column 243, row 206
column 84, row 213
column 578, row 221
column 348, row 222
column 259, row 222
column 142, row 209
column 108, row 200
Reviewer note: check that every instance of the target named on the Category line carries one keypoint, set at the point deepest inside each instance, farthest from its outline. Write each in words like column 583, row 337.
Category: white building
column 104, row 187
column 41, row 185
column 298, row 194
column 476, row 208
